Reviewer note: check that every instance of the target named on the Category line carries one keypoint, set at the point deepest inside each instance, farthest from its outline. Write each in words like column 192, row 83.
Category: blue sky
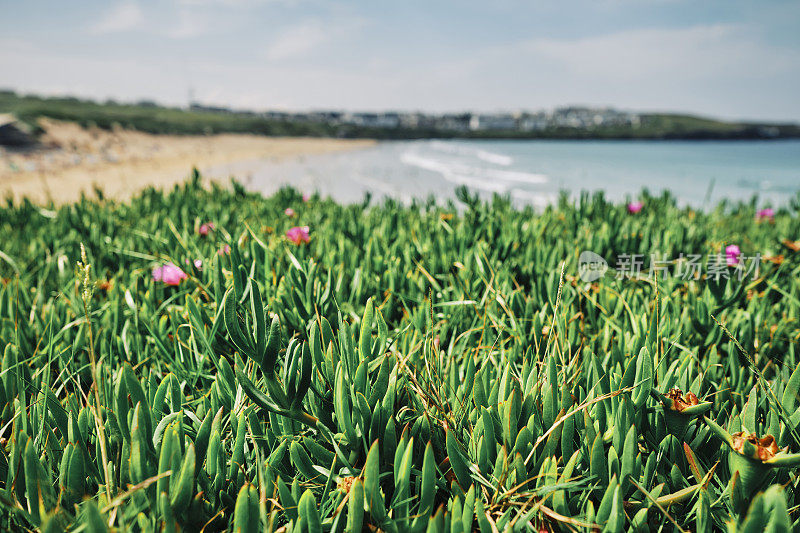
column 731, row 59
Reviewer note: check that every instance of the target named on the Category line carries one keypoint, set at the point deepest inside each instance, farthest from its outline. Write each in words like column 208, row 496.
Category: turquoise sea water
column 535, row 171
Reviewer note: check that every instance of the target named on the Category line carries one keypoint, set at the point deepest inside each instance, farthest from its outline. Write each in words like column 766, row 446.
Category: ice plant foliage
column 421, row 368
column 298, row 234
column 169, row 274
column 752, row 461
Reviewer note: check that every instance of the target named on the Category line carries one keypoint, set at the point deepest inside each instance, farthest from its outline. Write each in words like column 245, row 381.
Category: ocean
column 698, row 173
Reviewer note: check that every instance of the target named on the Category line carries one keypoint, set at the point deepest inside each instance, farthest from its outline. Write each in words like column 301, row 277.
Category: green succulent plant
column 680, row 410
column 751, row 458
column 424, row 367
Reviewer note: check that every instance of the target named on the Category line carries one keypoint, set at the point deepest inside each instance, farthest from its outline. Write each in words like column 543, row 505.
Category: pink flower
column 732, row 253
column 298, row 234
column 169, row 274
column 306, row 197
column 205, row 229
column 289, row 212
column 198, row 263
column 226, row 249
column 635, row 207
column 768, row 213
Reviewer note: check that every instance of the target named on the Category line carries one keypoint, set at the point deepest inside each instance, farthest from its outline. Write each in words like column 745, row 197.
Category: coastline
column 74, row 160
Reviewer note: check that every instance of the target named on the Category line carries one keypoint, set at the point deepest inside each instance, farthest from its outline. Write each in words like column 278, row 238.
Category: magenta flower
column 767, row 213
column 298, row 234
column 169, row 274
column 635, row 207
column 205, row 229
column 226, row 249
column 732, row 253
column 198, row 263
column 289, row 212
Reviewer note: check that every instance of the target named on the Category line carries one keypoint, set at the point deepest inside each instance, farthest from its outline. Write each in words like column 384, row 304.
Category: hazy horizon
column 312, row 109
column 727, row 60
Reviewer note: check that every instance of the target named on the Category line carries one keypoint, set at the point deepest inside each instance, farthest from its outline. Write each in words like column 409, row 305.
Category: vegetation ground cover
column 152, row 118
column 217, row 360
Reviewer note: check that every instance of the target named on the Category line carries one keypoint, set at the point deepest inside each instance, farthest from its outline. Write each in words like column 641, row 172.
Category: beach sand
column 121, row 162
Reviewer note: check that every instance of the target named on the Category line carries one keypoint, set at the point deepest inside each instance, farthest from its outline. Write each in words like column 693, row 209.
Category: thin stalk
column 86, row 295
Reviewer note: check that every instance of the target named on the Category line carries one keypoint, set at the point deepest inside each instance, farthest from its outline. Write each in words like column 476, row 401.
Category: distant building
column 329, row 117
column 576, row 117
column 411, row 120
column 457, row 122
column 533, row 121
column 375, row 120
column 502, row 122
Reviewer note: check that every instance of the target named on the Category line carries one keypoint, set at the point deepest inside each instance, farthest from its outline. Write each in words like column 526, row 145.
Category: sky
column 731, row 59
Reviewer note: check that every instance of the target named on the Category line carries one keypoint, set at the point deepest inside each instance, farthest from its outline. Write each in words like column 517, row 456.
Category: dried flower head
column 765, row 448
column 345, row 483
column 760, row 451
column 680, row 401
column 792, row 245
column 680, row 409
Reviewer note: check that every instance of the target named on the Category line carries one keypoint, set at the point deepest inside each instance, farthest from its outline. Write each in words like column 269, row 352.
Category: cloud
column 190, row 23
column 695, row 52
column 728, row 70
column 305, row 37
column 233, row 3
column 297, row 40
column 124, row 16
column 42, row 70
column 187, row 21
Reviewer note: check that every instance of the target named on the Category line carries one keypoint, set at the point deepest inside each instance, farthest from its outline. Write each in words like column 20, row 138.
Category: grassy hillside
column 157, row 119
column 148, row 118
column 420, row 368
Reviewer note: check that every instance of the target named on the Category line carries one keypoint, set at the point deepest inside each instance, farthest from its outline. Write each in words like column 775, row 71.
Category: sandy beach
column 73, row 160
